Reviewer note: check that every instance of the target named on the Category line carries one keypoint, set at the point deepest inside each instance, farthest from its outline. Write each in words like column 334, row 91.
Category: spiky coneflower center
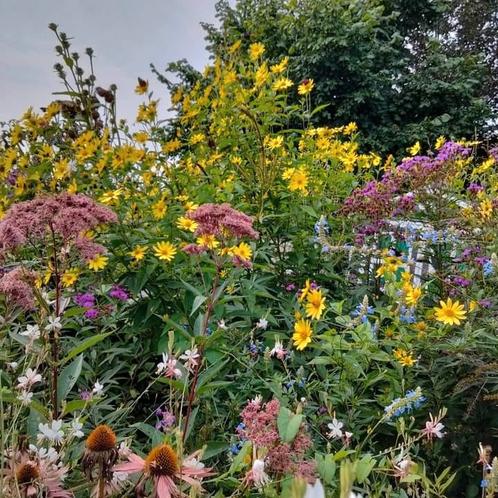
column 27, row 472
column 162, row 461
column 102, row 438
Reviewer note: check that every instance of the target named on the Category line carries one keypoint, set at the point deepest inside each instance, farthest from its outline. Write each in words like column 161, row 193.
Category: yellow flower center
column 162, row 461
column 102, row 438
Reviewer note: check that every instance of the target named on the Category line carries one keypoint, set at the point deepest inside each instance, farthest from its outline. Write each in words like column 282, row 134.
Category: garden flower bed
column 232, row 305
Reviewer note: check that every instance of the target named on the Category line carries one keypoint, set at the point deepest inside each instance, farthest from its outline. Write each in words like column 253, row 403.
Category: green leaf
column 214, row 448
column 364, row 467
column 73, row 405
column 156, row 437
column 288, row 424
column 197, row 303
column 84, row 345
column 68, row 377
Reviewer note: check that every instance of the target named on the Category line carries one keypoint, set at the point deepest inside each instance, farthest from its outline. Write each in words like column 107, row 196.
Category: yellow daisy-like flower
column 414, row 149
column 164, row 251
column 159, row 209
column 486, row 208
column 299, row 181
column 315, row 304
column 275, row 142
column 70, row 277
column 305, row 87
column 305, row 290
column 98, row 262
column 141, row 87
column 242, row 251
column 256, row 50
column 450, row 313
column 282, row 84
column 440, row 142
column 190, row 206
column 281, row 66
column 138, row 253
column 208, row 240
column 302, row 334
column 413, row 294
column 405, row 358
column 184, row 223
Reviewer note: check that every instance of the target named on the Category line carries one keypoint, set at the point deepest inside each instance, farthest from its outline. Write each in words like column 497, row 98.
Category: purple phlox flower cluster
column 119, row 292
column 87, row 301
column 166, row 420
column 475, row 188
column 17, row 285
column 65, row 216
column 494, row 153
column 384, row 199
column 413, row 400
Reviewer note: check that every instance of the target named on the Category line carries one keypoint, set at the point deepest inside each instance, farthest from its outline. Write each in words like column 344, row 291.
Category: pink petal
column 164, row 487
column 134, row 464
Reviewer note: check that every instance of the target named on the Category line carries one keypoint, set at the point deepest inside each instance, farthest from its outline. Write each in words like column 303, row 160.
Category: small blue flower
column 484, row 483
column 487, row 268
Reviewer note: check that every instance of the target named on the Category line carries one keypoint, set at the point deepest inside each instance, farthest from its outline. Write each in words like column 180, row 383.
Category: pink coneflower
column 33, row 475
column 162, row 466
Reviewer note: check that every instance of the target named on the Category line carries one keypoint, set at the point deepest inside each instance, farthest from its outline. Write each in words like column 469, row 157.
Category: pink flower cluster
column 65, row 216
column 18, row 284
column 222, row 220
column 384, row 199
column 260, row 427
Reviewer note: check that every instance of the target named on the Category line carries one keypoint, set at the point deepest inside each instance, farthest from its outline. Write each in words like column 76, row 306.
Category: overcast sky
column 126, row 36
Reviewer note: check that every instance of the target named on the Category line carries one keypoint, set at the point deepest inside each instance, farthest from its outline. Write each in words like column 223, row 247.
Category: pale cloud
column 126, row 37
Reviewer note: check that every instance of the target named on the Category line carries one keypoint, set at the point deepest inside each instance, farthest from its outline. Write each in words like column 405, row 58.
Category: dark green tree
column 386, row 64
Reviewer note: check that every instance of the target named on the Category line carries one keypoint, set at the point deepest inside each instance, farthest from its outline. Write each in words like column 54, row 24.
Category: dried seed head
column 27, row 473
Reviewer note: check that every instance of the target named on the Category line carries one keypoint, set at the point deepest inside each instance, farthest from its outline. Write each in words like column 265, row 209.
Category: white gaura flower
column 97, row 388
column 32, row 332
column 222, row 325
column 25, row 397
column 278, row 350
column 314, row 490
column 29, row 378
column 52, row 432
column 12, row 365
column 161, row 366
column 76, row 427
column 335, row 429
column 190, row 358
column 54, row 324
column 262, row 323
column 258, row 475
